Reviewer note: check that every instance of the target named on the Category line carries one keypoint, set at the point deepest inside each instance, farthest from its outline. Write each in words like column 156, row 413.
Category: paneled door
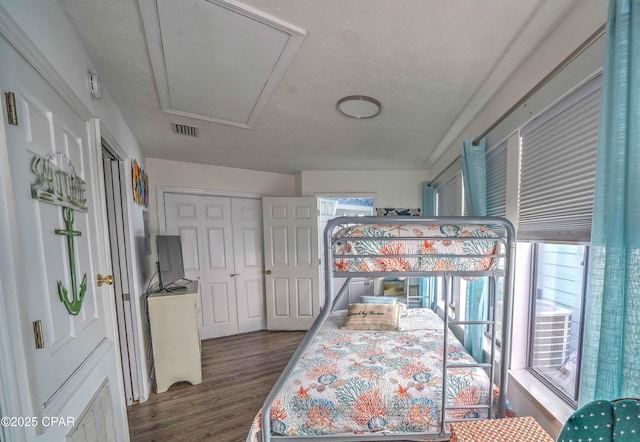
column 116, row 195
column 61, row 250
column 248, row 260
column 222, row 249
column 292, row 266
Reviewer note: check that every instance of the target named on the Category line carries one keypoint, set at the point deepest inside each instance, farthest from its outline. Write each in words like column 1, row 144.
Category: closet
column 222, row 250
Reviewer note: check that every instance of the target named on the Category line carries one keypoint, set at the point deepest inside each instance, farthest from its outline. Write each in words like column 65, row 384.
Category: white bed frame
column 505, row 257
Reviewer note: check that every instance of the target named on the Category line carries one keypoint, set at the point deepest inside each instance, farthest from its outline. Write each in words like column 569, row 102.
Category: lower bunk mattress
column 390, row 382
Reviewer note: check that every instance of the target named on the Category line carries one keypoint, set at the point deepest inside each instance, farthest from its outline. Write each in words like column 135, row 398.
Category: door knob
column 104, row 280
column 267, row 272
column 235, row 275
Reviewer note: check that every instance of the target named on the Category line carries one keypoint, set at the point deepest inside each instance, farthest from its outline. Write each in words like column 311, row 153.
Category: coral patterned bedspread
column 352, row 381
column 387, row 241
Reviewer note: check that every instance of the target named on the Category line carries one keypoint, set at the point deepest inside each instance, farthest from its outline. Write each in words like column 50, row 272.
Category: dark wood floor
column 237, row 374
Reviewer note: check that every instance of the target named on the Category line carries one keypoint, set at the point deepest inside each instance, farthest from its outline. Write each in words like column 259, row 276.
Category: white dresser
column 175, row 337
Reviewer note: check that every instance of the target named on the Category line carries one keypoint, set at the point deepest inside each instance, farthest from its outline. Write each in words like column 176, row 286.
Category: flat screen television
column 170, row 263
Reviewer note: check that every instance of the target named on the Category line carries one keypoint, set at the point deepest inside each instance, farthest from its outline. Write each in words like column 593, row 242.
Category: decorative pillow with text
column 373, row 317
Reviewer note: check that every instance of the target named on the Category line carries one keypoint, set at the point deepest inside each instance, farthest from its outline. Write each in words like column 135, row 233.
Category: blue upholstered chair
column 606, row 421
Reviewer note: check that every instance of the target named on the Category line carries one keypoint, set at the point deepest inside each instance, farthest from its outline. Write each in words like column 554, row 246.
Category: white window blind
column 448, row 196
column 557, row 170
column 496, row 164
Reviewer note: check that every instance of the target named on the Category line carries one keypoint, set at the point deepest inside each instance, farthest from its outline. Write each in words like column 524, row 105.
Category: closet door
column 205, row 227
column 247, row 246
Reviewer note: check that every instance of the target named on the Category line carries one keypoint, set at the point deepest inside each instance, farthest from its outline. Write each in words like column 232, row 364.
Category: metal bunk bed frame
column 506, row 236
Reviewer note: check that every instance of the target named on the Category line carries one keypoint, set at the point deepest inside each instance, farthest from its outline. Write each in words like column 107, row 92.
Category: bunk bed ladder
column 491, row 323
column 447, row 281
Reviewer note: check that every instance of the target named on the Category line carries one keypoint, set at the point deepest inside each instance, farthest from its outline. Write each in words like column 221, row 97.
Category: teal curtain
column 474, row 174
column 611, row 349
column 428, row 199
column 428, row 209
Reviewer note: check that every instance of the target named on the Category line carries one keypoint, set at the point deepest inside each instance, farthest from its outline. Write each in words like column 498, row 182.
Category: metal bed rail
column 507, row 239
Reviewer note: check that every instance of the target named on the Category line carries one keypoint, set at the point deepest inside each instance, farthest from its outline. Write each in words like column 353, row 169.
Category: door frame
column 15, row 330
column 143, row 370
column 134, row 388
column 321, row 245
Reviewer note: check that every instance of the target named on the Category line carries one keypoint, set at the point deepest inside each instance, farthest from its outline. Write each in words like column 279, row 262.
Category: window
column 499, row 295
column 496, row 164
column 450, row 202
column 558, row 292
column 555, row 206
column 450, row 197
column 558, row 168
column 331, row 207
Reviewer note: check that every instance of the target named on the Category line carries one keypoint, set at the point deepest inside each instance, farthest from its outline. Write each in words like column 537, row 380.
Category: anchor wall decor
column 75, row 304
column 64, row 188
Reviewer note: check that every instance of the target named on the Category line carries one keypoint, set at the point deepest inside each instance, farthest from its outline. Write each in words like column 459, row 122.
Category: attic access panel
column 216, row 60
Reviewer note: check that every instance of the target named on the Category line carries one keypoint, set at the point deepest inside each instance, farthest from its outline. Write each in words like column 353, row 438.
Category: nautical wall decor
column 63, row 187
column 389, row 211
column 139, row 179
column 58, row 186
column 75, row 304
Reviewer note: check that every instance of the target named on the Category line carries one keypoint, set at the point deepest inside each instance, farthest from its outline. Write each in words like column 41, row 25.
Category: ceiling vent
column 217, row 60
column 184, row 129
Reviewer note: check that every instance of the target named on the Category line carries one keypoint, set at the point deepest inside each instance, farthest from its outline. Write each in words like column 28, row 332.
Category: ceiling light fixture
column 359, row 106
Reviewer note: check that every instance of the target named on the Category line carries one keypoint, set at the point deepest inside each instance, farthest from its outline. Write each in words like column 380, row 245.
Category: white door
column 61, row 251
column 247, row 251
column 292, row 267
column 113, row 178
column 222, row 248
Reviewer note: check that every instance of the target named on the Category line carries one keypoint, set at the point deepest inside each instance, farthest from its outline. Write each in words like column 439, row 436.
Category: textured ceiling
column 427, row 61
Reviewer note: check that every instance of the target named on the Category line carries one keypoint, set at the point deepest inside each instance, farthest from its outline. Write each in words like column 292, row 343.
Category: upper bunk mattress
column 414, row 247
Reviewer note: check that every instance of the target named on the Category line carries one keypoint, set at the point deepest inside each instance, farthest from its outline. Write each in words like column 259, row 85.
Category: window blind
column 496, row 164
column 557, row 170
column 448, row 196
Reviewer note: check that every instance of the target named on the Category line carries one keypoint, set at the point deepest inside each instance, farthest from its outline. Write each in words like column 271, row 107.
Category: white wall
column 392, row 188
column 585, row 19
column 45, row 23
column 226, row 180
column 49, row 28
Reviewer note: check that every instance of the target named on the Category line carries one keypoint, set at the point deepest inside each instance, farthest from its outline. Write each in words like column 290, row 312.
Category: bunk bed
column 410, row 379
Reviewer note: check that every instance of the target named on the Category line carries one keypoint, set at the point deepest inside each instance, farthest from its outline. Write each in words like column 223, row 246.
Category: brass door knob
column 104, row 280
column 267, row 272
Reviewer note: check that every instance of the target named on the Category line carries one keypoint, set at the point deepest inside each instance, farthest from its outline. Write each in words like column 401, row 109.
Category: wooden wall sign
column 66, row 189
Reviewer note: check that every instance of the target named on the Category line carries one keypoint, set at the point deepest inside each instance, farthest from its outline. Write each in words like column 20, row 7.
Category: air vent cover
column 184, row 129
column 224, row 70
